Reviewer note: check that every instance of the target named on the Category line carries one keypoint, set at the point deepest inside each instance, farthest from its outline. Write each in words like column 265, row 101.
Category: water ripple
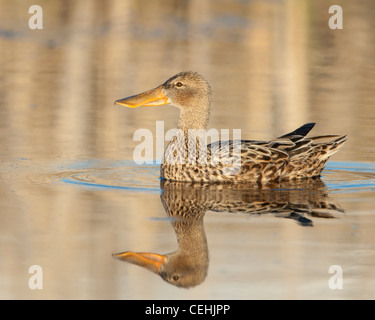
column 349, row 176
column 123, row 175
column 342, row 177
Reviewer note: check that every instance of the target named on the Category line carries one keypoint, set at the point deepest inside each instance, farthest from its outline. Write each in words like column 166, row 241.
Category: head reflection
column 186, row 204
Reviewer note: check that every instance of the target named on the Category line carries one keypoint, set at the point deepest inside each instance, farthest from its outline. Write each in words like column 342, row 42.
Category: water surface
column 71, row 195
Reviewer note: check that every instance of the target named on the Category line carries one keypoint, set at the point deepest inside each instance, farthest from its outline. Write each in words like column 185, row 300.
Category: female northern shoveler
column 187, row 203
column 291, row 156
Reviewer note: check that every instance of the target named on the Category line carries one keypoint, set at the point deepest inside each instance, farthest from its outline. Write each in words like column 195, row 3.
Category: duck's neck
column 191, row 257
column 191, row 238
column 196, row 115
column 192, row 120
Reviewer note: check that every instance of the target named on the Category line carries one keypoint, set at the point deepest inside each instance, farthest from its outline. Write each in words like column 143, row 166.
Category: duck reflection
column 187, row 203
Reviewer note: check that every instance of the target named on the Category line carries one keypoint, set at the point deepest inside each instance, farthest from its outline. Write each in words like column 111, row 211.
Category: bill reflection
column 187, row 203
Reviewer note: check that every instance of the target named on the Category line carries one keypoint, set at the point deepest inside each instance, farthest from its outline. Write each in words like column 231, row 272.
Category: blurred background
column 273, row 66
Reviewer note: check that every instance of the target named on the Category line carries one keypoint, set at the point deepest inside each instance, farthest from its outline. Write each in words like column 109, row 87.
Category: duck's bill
column 154, row 97
column 150, row 261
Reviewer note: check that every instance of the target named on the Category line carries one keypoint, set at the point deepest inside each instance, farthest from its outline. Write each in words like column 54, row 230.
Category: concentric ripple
column 340, row 177
column 123, row 175
column 349, row 176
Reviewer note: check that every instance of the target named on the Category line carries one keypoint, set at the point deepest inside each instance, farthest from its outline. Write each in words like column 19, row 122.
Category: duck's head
column 188, row 91
column 175, row 268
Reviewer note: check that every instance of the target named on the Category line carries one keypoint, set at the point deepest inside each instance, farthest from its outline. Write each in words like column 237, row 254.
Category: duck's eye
column 175, row 278
column 179, row 84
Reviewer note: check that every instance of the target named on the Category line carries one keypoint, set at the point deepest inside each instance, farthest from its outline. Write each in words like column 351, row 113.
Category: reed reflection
column 187, row 203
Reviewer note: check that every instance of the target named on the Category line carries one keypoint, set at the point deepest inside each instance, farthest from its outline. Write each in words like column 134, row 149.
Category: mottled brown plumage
column 188, row 158
column 187, row 203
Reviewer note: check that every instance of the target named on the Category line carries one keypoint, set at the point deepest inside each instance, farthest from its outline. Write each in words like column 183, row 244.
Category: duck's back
column 291, row 156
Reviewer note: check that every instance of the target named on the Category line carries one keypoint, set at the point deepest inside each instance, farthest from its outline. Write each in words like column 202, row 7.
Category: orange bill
column 154, row 97
column 150, row 261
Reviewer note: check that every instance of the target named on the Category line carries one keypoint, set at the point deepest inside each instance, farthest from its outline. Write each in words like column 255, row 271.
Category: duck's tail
column 327, row 149
column 308, row 156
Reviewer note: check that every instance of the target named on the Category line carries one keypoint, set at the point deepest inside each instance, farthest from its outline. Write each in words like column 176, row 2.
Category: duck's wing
column 292, row 155
column 254, row 150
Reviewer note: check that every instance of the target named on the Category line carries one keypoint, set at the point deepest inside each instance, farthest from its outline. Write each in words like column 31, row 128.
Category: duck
column 186, row 267
column 189, row 158
column 186, row 205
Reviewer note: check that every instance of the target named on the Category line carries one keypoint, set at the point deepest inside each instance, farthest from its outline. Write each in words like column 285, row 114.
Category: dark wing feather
column 301, row 131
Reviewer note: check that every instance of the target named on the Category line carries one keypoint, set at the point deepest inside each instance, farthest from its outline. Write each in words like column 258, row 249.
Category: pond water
column 72, row 197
